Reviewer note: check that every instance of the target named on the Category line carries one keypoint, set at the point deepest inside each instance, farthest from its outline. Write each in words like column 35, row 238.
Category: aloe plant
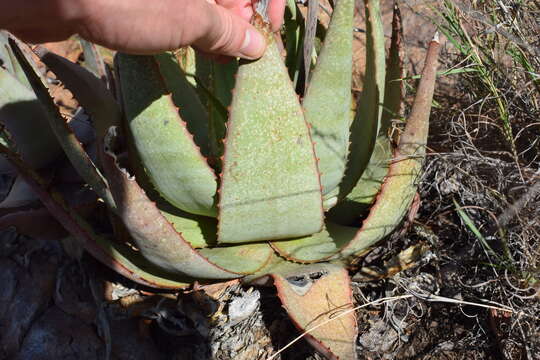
column 279, row 188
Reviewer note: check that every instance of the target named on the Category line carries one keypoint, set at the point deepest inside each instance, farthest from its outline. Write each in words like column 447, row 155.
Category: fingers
column 228, row 34
column 244, row 9
column 276, row 8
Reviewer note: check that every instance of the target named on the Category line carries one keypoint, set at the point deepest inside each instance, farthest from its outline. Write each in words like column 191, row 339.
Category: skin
column 217, row 27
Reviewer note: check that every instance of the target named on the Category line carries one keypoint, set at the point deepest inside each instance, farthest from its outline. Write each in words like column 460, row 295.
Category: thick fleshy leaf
column 350, row 209
column 158, row 241
column 317, row 247
column 21, row 114
column 310, row 26
column 366, row 123
column 399, row 187
column 270, row 185
column 394, row 88
column 93, row 61
column 199, row 231
column 315, row 296
column 90, row 91
column 327, row 103
column 364, row 193
column 172, row 161
column 215, row 83
column 186, row 99
column 68, row 141
column 34, row 223
column 293, row 40
column 20, row 194
column 118, row 257
column 9, row 62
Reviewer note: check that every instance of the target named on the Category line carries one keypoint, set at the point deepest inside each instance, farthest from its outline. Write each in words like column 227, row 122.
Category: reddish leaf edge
column 77, row 226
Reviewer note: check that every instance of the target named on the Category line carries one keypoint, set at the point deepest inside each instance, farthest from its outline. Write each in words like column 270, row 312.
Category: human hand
column 218, row 27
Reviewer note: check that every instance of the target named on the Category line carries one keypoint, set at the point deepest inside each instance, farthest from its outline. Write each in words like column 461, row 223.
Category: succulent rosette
column 217, row 171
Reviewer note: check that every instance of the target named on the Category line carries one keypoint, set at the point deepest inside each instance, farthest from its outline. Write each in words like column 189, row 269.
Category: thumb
column 225, row 33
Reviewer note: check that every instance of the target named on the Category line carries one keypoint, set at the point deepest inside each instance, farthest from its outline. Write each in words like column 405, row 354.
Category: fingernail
column 253, row 46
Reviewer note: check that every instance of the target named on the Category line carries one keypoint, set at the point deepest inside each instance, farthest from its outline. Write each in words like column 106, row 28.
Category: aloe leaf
column 215, row 83
column 157, row 239
column 270, row 185
column 93, row 60
column 363, row 195
column 172, row 161
column 359, row 200
column 71, row 145
column 21, row 114
column 309, row 36
column 394, row 89
column 318, row 299
column 241, row 259
column 200, row 232
column 90, row 91
column 400, row 185
column 186, row 99
column 317, row 247
column 366, row 123
column 10, row 62
column 327, row 103
column 293, row 39
column 20, row 194
column 34, row 223
column 119, row 258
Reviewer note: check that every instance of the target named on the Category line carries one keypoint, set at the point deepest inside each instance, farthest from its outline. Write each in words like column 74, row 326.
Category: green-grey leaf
column 159, row 242
column 270, row 185
column 93, row 60
column 401, row 183
column 363, row 195
column 172, row 161
column 327, row 102
column 317, row 247
column 69, row 143
column 394, row 88
column 366, row 123
column 10, row 61
column 89, row 90
column 186, row 99
column 27, row 124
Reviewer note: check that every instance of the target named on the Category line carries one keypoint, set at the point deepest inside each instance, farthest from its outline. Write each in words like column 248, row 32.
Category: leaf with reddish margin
column 317, row 298
column 89, row 90
column 71, row 145
column 270, row 185
column 363, row 195
column 399, row 187
column 366, row 123
column 327, row 103
column 119, row 258
column 160, row 243
column 35, row 223
column 161, row 138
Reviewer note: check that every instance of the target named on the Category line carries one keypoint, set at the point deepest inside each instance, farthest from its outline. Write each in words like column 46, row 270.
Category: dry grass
column 480, row 195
